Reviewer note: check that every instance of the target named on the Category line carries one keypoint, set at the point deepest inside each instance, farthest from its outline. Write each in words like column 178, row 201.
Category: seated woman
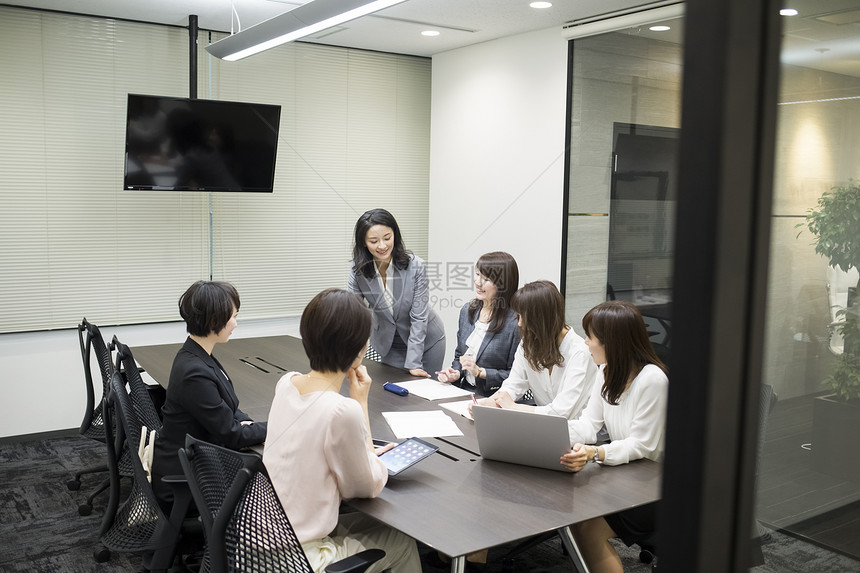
column 632, row 403
column 200, row 398
column 488, row 335
column 320, row 450
column 552, row 360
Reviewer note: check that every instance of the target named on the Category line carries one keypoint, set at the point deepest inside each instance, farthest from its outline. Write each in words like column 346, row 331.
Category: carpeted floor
column 41, row 531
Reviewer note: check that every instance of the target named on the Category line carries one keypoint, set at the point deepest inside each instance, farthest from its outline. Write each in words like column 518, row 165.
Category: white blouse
column 473, row 345
column 565, row 392
column 316, row 454
column 636, row 425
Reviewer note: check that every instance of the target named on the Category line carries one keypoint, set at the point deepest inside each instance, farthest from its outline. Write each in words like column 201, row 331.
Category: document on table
column 461, row 407
column 431, row 389
column 421, row 424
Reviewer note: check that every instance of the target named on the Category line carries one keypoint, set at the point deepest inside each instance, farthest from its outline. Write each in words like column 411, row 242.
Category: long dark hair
column 619, row 327
column 501, row 269
column 362, row 260
column 541, row 309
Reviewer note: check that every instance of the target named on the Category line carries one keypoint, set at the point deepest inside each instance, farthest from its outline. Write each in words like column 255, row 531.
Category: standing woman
column 200, row 398
column 406, row 332
column 488, row 334
column 632, row 403
column 552, row 360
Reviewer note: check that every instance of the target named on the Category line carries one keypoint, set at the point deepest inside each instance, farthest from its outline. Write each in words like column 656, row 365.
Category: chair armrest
column 356, row 563
column 176, row 479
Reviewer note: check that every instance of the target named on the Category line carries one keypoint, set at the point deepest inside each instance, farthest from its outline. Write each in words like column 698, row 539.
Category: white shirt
column 565, row 392
column 473, row 344
column 636, row 425
column 386, row 286
column 316, row 453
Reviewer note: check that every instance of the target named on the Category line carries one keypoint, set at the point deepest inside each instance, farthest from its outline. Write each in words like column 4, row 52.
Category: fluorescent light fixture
column 430, row 33
column 788, row 12
column 302, row 21
column 613, row 23
column 659, row 28
column 541, row 5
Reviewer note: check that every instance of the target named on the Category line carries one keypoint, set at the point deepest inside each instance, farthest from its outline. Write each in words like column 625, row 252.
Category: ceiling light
column 541, row 5
column 788, row 12
column 616, row 22
column 430, row 33
column 659, row 28
column 299, row 22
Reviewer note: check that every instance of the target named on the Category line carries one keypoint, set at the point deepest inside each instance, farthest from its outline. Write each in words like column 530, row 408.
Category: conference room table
column 453, row 501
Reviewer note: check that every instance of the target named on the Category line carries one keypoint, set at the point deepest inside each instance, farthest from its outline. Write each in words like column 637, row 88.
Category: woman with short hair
column 319, row 450
column 631, row 402
column 200, row 397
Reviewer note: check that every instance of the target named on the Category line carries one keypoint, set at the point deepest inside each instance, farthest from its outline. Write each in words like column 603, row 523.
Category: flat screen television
column 181, row 144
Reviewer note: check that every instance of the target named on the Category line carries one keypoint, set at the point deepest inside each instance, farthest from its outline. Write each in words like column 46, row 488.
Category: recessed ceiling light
column 540, row 5
column 659, row 28
column 788, row 12
column 430, row 33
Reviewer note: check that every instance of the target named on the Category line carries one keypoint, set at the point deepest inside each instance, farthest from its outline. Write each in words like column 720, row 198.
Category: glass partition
column 809, row 475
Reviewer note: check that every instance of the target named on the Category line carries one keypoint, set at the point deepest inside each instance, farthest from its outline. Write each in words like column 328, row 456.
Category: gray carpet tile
column 41, row 531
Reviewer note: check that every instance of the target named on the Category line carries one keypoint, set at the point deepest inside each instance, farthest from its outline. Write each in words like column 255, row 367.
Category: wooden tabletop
column 453, row 501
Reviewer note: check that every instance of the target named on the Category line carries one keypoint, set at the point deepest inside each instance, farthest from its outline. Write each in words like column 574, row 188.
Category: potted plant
column 835, row 224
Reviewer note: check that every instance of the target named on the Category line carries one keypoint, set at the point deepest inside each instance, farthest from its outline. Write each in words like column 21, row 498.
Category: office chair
column 141, row 399
column 245, row 524
column 372, row 354
column 139, row 525
column 93, row 427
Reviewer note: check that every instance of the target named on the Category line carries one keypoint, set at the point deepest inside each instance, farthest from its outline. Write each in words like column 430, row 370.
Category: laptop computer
column 525, row 438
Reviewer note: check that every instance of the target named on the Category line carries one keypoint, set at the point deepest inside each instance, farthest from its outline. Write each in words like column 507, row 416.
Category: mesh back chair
column 140, row 397
column 139, row 525
column 92, row 426
column 243, row 519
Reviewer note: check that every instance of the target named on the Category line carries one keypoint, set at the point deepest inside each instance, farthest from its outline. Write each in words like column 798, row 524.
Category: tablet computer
column 406, row 454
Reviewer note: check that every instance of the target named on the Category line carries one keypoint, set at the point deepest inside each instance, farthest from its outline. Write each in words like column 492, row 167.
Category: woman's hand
column 359, row 383
column 489, row 402
column 379, row 450
column 504, row 400
column 419, row 372
column 448, row 376
column 467, row 361
column 578, row 456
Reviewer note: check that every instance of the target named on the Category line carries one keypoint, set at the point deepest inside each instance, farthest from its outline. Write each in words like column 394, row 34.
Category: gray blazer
column 496, row 354
column 411, row 315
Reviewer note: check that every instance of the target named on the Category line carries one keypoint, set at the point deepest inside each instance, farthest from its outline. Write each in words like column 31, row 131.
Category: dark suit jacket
column 201, row 402
column 411, row 315
column 496, row 354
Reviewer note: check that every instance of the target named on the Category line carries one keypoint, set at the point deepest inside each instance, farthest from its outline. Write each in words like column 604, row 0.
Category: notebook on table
column 537, row 440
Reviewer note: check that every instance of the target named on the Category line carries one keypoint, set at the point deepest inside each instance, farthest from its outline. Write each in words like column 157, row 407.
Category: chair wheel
column 85, row 509
column 646, row 556
column 73, row 485
column 101, row 555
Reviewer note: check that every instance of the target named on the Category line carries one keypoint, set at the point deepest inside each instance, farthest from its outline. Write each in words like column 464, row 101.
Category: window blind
column 354, row 135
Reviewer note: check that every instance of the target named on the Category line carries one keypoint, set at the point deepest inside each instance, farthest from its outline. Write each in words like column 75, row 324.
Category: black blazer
column 200, row 401
column 496, row 354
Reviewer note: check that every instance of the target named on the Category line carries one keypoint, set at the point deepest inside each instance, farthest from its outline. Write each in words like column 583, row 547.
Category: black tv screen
column 180, row 144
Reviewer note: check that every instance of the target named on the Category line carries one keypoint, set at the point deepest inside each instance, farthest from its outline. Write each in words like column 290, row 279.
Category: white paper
column 421, row 424
column 461, row 408
column 148, row 380
column 431, row 389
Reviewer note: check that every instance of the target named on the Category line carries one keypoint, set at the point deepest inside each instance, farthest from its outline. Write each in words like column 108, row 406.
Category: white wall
column 496, row 183
column 497, row 159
